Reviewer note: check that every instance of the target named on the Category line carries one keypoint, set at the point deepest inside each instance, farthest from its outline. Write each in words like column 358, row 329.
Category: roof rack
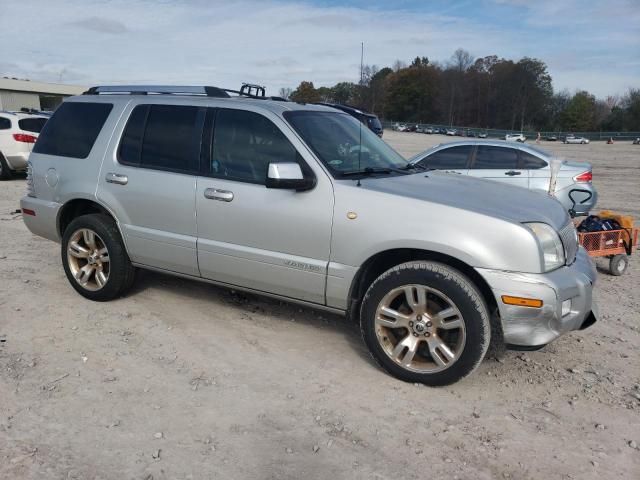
column 246, row 90
column 158, row 89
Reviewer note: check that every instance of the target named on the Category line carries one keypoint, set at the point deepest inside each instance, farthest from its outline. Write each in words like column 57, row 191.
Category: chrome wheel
column 88, row 259
column 420, row 328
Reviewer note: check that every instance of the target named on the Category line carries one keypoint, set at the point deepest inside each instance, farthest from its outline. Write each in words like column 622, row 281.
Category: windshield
column 374, row 123
column 335, row 139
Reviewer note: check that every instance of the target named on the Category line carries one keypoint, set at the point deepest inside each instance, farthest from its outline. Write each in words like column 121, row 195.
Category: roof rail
column 247, row 90
column 158, row 89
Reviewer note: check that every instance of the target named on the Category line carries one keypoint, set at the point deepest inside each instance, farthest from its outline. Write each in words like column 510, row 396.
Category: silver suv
column 302, row 203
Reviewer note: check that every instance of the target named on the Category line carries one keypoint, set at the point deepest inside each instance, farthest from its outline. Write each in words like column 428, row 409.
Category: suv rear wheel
column 425, row 322
column 94, row 258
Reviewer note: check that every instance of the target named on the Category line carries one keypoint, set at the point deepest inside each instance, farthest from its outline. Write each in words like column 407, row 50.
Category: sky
column 591, row 45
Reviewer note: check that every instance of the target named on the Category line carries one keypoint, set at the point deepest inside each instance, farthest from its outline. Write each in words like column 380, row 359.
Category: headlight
column 550, row 243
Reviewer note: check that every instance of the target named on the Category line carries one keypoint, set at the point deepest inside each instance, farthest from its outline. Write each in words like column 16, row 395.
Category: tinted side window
column 131, row 143
column 500, row 158
column 244, row 143
column 73, row 129
column 5, row 123
column 34, row 125
column 172, row 138
column 531, row 162
column 449, row 158
column 163, row 137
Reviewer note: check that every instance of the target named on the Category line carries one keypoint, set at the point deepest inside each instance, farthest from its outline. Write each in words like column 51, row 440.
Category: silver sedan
column 517, row 164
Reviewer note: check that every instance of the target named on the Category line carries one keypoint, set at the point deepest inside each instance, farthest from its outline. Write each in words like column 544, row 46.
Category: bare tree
column 399, row 65
column 461, row 60
column 285, row 92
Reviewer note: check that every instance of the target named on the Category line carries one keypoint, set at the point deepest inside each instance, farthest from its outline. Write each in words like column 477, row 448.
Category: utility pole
column 361, row 63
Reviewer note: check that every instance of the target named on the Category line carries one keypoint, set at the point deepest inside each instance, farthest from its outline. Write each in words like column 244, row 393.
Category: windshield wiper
column 417, row 166
column 367, row 171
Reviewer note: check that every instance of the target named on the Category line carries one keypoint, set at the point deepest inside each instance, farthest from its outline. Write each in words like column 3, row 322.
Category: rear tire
column 5, row 171
column 618, row 264
column 425, row 322
column 95, row 259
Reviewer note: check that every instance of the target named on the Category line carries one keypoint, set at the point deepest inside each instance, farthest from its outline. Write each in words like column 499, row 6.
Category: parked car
column 637, row 141
column 368, row 119
column 515, row 137
column 429, row 130
column 18, row 133
column 433, row 266
column 471, row 134
column 519, row 165
column 400, row 127
column 552, row 138
column 450, row 132
column 482, row 135
column 574, row 139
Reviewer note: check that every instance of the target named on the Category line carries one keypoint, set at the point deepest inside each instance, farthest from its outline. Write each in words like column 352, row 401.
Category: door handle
column 511, row 173
column 117, row 178
column 215, row 194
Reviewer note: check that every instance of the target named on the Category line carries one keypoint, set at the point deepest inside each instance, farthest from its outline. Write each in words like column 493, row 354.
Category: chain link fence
column 499, row 133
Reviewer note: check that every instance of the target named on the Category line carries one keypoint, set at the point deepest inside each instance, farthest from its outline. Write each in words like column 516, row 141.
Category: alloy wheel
column 88, row 259
column 420, row 328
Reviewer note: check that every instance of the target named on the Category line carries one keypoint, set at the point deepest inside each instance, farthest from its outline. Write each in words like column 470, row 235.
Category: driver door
column 271, row 240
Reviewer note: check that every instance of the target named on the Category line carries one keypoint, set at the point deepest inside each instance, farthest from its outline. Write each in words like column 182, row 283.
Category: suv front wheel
column 94, row 258
column 425, row 322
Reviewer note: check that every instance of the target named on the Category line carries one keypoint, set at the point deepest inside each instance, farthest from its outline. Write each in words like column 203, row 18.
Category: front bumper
column 536, row 327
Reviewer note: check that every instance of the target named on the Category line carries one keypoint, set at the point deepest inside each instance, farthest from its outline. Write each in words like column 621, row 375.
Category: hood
column 486, row 197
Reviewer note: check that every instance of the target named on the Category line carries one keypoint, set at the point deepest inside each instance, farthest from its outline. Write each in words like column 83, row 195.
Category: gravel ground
column 182, row 380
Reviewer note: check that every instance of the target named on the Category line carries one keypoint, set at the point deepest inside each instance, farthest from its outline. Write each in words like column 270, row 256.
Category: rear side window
column 531, row 162
column 5, row 123
column 73, row 129
column 244, row 143
column 163, row 137
column 490, row 157
column 34, row 125
column 449, row 158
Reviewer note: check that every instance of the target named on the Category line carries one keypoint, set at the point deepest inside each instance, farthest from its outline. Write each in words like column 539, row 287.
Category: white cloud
column 275, row 43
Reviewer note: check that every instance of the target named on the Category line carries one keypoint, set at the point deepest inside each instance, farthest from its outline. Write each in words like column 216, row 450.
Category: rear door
column 149, row 180
column 501, row 163
column 539, row 171
column 450, row 159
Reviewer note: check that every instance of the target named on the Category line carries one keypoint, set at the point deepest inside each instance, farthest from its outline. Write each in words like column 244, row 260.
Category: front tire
column 425, row 322
column 95, row 259
column 5, row 171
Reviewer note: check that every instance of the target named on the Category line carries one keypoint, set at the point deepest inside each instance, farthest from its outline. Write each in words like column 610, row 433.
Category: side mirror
column 288, row 176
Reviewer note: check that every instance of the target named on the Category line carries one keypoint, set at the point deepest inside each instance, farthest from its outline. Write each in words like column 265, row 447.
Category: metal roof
column 40, row 87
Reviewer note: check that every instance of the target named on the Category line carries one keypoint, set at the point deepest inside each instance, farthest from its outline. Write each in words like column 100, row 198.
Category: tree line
column 487, row 92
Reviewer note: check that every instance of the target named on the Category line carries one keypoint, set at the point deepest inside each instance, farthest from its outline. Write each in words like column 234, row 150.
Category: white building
column 17, row 94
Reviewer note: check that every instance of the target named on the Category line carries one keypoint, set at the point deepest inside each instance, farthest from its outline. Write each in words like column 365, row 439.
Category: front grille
column 569, row 237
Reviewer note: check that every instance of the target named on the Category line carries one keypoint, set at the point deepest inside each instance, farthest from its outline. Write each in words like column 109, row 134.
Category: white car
column 574, row 139
column 451, row 132
column 515, row 137
column 18, row 132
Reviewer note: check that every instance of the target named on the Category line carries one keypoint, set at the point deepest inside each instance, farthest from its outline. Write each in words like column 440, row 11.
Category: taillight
column 584, row 177
column 31, row 191
column 23, row 137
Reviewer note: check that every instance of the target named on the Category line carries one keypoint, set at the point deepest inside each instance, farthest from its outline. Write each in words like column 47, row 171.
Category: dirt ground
column 182, row 380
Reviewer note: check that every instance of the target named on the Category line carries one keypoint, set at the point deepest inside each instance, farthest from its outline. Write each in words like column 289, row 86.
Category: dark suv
column 368, row 119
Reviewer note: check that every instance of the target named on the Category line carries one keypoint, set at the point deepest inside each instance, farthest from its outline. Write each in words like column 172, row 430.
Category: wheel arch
column 83, row 206
column 379, row 263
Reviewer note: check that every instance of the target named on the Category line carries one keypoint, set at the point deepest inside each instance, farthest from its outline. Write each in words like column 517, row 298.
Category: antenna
column 359, row 153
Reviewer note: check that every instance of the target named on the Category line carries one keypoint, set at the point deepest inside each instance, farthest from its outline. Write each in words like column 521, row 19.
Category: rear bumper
column 45, row 221
column 536, row 327
column 580, row 208
column 18, row 161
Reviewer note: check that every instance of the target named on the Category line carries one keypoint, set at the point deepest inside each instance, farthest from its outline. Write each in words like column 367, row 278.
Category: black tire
column 121, row 272
column 5, row 171
column 618, row 264
column 465, row 297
